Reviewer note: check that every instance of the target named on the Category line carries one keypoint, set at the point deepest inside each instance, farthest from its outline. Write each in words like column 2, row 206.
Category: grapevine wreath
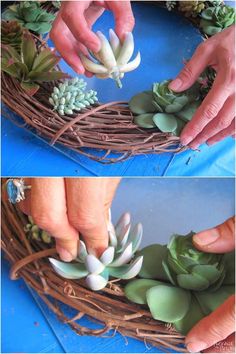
column 62, row 111
column 149, row 123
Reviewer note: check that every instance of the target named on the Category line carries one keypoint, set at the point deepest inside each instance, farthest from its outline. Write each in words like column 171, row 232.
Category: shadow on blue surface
column 164, row 39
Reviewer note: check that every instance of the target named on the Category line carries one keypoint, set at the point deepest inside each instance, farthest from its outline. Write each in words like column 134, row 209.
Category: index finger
column 209, row 108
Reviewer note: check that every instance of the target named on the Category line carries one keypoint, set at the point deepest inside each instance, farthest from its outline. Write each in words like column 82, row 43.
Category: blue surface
column 164, row 206
column 164, row 39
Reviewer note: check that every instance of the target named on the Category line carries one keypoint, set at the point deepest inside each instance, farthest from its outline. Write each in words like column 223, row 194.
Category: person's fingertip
column 196, row 346
column 206, row 237
column 64, row 254
column 176, row 85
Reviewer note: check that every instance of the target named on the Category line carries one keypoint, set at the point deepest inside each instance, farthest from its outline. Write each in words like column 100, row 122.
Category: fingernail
column 65, row 255
column 195, row 347
column 175, row 84
column 206, row 238
column 95, row 47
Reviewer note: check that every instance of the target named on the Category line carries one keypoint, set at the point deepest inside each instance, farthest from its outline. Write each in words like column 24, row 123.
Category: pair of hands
column 70, row 207
column 215, row 118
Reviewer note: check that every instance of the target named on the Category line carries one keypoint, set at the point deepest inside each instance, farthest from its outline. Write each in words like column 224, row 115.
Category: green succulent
column 70, row 96
column 192, row 8
column 215, row 19
column 56, row 4
column 11, row 33
column 30, row 15
column 116, row 261
column 35, row 233
column 164, row 109
column 180, row 284
column 30, row 67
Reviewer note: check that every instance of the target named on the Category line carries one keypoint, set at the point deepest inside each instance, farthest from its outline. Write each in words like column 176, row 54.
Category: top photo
column 118, row 88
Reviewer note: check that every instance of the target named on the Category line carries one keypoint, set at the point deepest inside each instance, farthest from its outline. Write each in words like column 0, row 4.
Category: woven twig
column 29, row 260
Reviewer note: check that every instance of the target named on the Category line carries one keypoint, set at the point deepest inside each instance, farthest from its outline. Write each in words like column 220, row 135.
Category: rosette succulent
column 215, row 19
column 192, row 8
column 113, row 59
column 29, row 66
column 71, row 96
column 180, row 284
column 116, row 261
column 164, row 109
column 11, row 33
column 31, row 16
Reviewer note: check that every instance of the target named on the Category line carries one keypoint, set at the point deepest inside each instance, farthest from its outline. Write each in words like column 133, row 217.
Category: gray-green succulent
column 30, row 15
column 70, row 96
column 116, row 261
column 164, row 109
column 180, row 284
column 215, row 19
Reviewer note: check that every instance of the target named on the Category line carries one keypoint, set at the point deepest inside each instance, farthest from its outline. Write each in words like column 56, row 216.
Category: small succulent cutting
column 215, row 19
column 11, row 34
column 30, row 67
column 30, row 15
column 35, row 233
column 164, row 109
column 181, row 284
column 192, row 8
column 71, row 96
column 116, row 261
column 113, row 59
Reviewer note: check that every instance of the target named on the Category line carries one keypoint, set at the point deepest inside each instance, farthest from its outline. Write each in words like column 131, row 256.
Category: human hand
column 70, row 207
column 71, row 31
column 214, row 333
column 215, row 118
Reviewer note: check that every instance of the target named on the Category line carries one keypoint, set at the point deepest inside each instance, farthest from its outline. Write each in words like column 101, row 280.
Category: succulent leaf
column 136, row 290
column 142, row 103
column 29, row 87
column 145, row 120
column 124, row 257
column 153, row 256
column 93, row 264
column 97, row 281
column 172, row 305
column 127, row 271
column 82, row 251
column 107, row 256
column 69, row 270
column 28, row 50
column 167, row 123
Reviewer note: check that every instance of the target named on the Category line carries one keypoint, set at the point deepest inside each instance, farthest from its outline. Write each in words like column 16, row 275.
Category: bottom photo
column 112, row 265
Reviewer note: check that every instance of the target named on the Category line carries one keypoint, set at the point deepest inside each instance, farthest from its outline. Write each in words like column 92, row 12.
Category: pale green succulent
column 71, row 96
column 35, row 233
column 164, row 109
column 31, row 16
column 170, row 5
column 215, row 19
column 180, row 284
column 116, row 260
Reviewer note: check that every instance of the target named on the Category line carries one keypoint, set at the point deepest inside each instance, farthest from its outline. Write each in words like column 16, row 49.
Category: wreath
column 60, row 109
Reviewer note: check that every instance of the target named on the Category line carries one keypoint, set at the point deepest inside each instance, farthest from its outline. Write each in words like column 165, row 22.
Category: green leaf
column 136, row 290
column 229, row 261
column 174, row 107
column 210, row 272
column 30, row 87
column 28, row 49
column 193, row 316
column 8, row 51
column 145, row 120
column 210, row 301
column 167, row 123
column 180, row 126
column 47, row 76
column 127, row 271
column 170, row 275
column 168, row 303
column 153, row 256
column 29, row 15
column 192, row 281
column 188, row 111
column 39, row 27
column 45, row 61
column 142, row 103
column 69, row 270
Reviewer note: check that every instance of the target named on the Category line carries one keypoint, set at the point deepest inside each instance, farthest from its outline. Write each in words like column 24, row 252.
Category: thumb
column 213, row 328
column 192, row 70
column 219, row 239
column 124, row 17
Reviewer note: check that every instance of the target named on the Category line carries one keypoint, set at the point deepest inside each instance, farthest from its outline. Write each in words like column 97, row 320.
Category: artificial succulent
column 181, row 284
column 112, row 61
column 116, row 261
column 30, row 67
column 11, row 33
column 30, row 15
column 164, row 109
column 35, row 233
column 215, row 19
column 71, row 96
